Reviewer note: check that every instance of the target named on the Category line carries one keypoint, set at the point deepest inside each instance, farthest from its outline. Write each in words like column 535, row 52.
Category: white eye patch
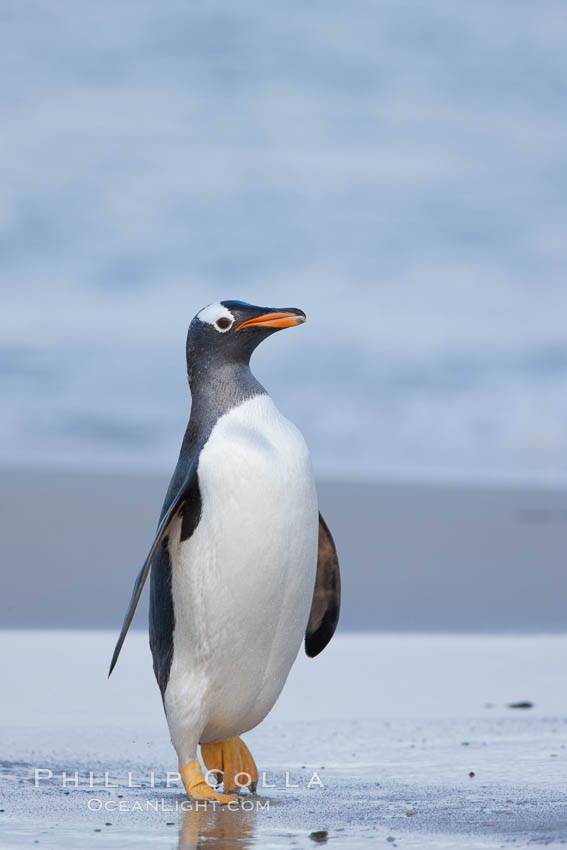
column 211, row 315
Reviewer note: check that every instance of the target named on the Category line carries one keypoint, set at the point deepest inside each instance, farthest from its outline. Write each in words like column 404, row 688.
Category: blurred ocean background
column 396, row 169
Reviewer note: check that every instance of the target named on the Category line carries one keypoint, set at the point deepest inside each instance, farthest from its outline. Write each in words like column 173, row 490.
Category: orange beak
column 273, row 320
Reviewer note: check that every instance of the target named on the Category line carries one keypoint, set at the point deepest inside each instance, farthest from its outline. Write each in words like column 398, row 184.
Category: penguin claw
column 210, row 795
column 233, row 760
column 198, row 788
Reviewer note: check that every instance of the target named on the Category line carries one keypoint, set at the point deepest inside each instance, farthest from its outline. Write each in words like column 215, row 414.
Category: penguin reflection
column 218, row 829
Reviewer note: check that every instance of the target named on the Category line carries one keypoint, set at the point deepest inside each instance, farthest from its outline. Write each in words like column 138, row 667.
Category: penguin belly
column 242, row 584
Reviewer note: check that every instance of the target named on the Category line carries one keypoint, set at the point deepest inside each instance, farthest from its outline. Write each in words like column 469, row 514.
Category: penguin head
column 231, row 330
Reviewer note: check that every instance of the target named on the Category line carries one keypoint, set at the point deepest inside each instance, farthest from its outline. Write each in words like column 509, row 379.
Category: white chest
column 256, row 482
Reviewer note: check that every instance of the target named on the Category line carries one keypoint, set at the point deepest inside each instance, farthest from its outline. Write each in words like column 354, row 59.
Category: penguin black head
column 229, row 331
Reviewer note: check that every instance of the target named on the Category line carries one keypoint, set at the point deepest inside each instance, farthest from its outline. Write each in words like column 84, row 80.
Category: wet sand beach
column 415, row 557
column 402, row 740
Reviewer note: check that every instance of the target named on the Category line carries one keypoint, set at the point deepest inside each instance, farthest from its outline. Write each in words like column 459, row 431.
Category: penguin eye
column 223, row 323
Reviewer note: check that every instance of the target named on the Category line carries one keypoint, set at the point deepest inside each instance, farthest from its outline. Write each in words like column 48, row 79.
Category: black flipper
column 180, row 506
column 326, row 603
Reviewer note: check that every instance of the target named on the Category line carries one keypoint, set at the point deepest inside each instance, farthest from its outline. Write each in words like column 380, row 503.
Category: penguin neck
column 217, row 387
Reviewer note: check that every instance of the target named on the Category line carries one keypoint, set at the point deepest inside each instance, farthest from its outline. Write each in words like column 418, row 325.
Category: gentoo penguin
column 243, row 567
